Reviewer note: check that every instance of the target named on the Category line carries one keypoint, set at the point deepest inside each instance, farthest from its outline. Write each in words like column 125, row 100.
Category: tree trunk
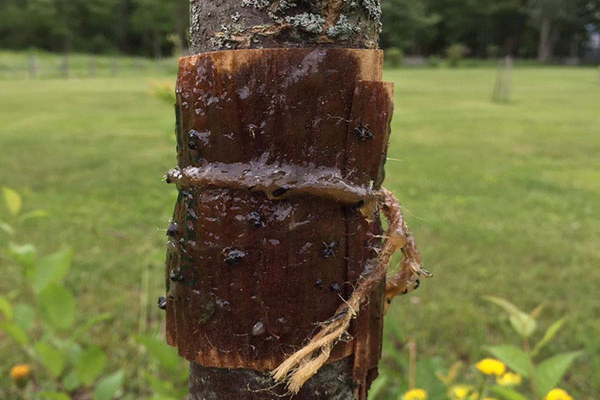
column 253, row 267
column 548, row 38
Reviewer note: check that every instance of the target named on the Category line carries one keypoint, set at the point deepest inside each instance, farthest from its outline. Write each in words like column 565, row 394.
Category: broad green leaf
column 57, row 306
column 109, row 386
column 164, row 354
column 52, row 269
column 24, row 316
column 548, row 336
column 13, row 201
column 52, row 358
column 71, row 381
column 7, row 228
column 25, row 255
column 54, row 396
column 514, row 357
column 160, row 386
column 505, row 393
column 164, row 389
column 33, row 214
column 521, row 322
column 550, row 371
column 377, row 387
column 15, row 332
column 6, row 308
column 89, row 365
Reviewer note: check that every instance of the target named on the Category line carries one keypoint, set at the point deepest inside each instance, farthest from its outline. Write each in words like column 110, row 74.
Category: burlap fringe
column 303, row 364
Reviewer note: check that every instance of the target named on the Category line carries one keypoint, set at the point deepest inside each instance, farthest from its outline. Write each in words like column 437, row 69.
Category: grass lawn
column 504, row 199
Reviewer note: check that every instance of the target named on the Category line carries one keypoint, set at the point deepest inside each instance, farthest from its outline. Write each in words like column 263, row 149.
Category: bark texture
column 250, row 274
column 252, row 24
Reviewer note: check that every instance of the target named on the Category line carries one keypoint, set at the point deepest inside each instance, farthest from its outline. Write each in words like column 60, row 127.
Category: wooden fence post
column 32, row 66
column 278, row 150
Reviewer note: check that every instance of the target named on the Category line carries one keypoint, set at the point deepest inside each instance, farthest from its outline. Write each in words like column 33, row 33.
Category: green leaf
column 514, row 357
column 57, row 306
column 25, row 255
column 89, row 365
column 6, row 308
column 507, row 393
column 377, row 387
column 7, row 228
column 548, row 336
column 15, row 332
column 108, row 387
column 550, row 371
column 521, row 322
column 24, row 316
column 71, row 381
column 33, row 214
column 160, row 386
column 166, row 355
column 52, row 358
column 52, row 269
column 13, row 200
column 54, row 396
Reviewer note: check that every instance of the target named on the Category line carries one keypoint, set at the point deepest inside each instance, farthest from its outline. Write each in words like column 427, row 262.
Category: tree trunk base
column 332, row 382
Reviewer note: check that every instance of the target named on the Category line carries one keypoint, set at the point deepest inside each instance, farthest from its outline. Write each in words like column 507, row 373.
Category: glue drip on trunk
column 303, row 364
column 277, row 182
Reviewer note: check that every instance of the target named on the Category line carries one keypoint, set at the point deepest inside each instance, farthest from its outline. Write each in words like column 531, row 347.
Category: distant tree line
column 491, row 28
column 487, row 28
column 142, row 27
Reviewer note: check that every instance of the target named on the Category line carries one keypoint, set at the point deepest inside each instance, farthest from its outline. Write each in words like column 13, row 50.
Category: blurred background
column 494, row 155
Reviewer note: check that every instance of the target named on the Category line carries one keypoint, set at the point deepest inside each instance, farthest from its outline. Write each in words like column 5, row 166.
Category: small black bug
column 192, row 143
column 280, row 192
column 162, row 303
column 176, row 276
column 363, row 133
column 172, row 230
column 329, row 249
column 319, row 283
column 234, row 256
column 256, row 219
column 335, row 287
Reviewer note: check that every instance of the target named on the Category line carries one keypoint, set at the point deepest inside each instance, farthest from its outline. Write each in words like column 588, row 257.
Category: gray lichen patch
column 312, row 23
column 242, row 24
column 343, row 28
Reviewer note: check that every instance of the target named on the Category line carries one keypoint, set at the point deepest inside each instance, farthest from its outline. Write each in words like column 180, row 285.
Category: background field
column 504, row 199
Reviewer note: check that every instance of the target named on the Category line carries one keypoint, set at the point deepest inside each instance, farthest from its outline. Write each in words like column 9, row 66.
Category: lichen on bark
column 244, row 24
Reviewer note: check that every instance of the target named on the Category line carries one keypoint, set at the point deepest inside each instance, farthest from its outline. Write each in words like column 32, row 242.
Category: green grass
column 504, row 199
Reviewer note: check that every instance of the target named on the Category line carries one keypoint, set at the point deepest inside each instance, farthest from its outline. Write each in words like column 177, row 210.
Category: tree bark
column 249, row 275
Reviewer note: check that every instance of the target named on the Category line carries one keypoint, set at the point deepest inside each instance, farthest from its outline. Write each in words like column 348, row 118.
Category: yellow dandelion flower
column 558, row 394
column 460, row 392
column 20, row 374
column 509, row 379
column 490, row 366
column 415, row 394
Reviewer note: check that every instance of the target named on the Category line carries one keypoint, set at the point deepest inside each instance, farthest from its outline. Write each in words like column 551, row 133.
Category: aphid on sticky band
column 162, row 303
column 329, row 249
column 233, row 256
column 256, row 219
column 363, row 133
